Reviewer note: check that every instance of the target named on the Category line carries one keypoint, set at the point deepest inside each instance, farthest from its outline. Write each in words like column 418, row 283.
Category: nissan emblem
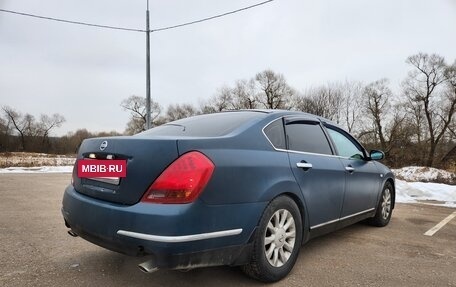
column 104, row 145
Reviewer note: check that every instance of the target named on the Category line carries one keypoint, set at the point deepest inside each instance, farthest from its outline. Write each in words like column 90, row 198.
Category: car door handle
column 349, row 169
column 304, row 165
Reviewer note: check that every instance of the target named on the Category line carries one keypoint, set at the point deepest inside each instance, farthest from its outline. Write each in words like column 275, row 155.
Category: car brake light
column 182, row 181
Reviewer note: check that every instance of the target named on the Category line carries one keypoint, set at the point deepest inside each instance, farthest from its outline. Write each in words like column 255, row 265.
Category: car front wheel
column 385, row 207
column 277, row 241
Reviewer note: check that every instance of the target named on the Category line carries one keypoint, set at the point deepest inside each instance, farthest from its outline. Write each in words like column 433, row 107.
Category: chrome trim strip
column 312, row 153
column 111, row 180
column 182, row 238
column 355, row 214
column 296, row 151
column 303, row 152
column 343, row 218
column 324, row 223
column 322, row 154
column 292, row 151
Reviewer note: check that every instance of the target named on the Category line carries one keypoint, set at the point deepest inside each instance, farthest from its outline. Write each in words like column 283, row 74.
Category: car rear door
column 319, row 174
column 362, row 177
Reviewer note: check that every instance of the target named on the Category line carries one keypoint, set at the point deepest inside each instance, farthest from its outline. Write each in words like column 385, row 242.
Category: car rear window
column 209, row 125
column 276, row 134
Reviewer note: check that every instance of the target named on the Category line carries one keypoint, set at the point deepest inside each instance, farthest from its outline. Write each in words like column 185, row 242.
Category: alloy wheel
column 279, row 238
column 386, row 203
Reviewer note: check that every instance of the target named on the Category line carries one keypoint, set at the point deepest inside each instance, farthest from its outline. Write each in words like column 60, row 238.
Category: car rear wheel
column 277, row 241
column 385, row 207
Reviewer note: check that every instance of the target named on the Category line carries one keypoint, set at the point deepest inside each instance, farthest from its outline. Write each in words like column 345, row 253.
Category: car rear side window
column 209, row 125
column 276, row 134
column 307, row 137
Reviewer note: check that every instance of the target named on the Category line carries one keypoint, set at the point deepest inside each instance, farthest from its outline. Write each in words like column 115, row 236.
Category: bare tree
column 47, row 123
column 74, row 139
column 325, row 101
column 4, row 134
column 274, row 93
column 303, row 102
column 179, row 111
column 351, row 94
column 415, row 111
column 4, row 126
column 267, row 90
column 376, row 102
column 244, row 95
column 137, row 107
column 205, row 107
column 25, row 125
column 222, row 100
column 429, row 85
column 450, row 74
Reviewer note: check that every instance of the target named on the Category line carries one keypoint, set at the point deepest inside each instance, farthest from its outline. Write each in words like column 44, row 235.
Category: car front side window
column 345, row 147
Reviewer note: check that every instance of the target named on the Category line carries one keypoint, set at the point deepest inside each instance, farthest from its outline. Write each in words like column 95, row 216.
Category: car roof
column 283, row 113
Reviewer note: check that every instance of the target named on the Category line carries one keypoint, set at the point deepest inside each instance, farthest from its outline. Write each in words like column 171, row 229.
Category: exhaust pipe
column 148, row 266
column 71, row 232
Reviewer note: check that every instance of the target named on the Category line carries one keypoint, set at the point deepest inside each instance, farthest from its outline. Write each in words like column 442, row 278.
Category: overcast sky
column 84, row 73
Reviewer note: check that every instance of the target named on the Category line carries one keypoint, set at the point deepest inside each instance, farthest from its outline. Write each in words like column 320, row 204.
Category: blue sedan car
column 239, row 188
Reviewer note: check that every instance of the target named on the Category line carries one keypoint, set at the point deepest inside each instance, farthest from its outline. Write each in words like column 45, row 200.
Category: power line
column 132, row 29
column 72, row 22
column 210, row 18
column 147, row 31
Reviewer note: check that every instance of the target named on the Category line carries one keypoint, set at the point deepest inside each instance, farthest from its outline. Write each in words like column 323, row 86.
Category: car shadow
column 116, row 269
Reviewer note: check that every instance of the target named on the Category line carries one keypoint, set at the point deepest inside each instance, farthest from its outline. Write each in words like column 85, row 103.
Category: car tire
column 277, row 241
column 385, row 207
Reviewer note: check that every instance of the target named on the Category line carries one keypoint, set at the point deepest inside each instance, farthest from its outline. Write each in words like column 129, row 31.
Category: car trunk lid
column 146, row 158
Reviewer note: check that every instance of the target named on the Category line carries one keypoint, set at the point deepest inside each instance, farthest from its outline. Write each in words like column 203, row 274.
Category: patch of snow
column 410, row 192
column 38, row 169
column 424, row 174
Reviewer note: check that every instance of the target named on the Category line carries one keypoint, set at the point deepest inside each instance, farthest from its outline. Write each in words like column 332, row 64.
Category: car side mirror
column 376, row 155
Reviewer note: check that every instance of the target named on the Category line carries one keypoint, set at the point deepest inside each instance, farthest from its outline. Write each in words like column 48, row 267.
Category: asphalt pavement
column 35, row 249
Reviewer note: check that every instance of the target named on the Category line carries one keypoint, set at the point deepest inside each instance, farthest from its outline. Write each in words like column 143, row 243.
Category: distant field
column 26, row 159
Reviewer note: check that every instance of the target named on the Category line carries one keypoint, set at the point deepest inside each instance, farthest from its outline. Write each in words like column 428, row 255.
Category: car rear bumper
column 176, row 235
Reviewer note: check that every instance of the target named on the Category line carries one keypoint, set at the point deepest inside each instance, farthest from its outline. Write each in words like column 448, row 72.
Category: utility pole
column 148, row 122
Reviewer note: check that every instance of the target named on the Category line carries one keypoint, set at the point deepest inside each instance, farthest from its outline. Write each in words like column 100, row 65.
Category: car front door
column 318, row 172
column 362, row 176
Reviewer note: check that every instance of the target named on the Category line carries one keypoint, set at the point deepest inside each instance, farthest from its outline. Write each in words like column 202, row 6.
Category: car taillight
column 182, row 181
